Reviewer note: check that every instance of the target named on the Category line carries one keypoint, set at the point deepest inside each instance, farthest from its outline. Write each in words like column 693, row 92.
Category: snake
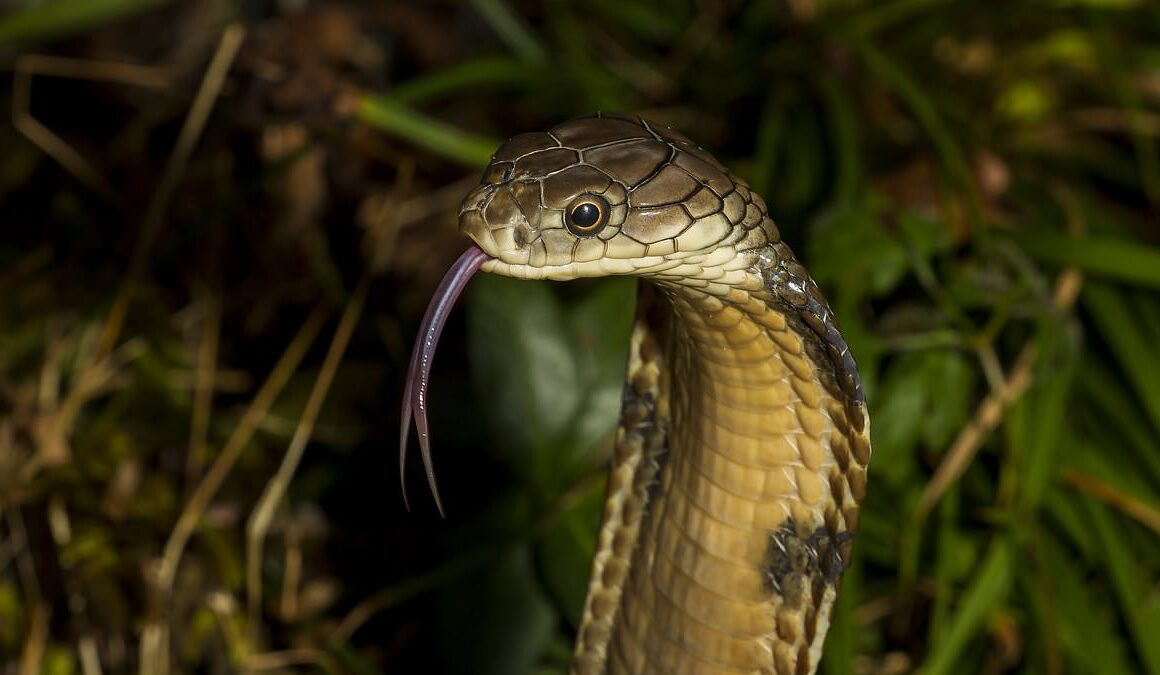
column 741, row 455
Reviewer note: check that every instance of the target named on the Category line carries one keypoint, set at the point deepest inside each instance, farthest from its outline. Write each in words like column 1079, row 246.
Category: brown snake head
column 609, row 194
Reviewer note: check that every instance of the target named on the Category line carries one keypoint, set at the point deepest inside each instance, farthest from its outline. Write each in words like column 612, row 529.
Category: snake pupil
column 587, row 217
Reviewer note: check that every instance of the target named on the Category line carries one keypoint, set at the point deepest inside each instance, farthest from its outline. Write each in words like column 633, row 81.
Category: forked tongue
column 419, row 372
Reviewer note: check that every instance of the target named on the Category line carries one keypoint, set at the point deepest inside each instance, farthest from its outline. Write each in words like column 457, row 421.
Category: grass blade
column 439, row 137
column 1129, row 580
column 988, row 589
column 61, row 17
column 1135, row 352
column 1115, row 259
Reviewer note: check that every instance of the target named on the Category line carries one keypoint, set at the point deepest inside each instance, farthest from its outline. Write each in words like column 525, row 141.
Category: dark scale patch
column 634, row 399
column 640, row 417
column 796, row 565
column 810, row 317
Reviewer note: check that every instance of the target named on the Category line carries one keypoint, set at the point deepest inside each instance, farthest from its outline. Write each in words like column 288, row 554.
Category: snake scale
column 743, row 444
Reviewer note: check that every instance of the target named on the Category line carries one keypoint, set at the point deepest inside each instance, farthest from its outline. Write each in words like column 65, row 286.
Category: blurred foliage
column 205, row 313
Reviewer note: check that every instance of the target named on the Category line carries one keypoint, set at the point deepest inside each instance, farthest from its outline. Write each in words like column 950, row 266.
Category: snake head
column 607, row 194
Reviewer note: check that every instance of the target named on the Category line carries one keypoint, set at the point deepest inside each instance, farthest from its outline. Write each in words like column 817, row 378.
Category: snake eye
column 587, row 215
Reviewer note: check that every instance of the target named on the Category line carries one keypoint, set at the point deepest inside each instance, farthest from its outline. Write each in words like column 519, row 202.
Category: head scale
column 606, row 194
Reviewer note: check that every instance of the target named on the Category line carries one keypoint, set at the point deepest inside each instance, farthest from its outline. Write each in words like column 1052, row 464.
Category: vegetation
column 221, row 226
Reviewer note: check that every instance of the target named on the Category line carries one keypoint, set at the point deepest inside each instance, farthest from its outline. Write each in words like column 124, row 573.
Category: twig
column 991, row 410
column 32, row 656
column 291, row 657
column 263, row 513
column 993, row 407
column 89, row 655
column 155, row 640
column 30, row 65
column 204, row 376
column 987, row 416
column 1147, row 515
column 211, row 84
column 292, row 577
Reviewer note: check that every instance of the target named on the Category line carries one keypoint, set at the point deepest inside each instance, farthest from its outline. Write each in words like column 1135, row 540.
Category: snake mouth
column 494, row 218
column 415, row 391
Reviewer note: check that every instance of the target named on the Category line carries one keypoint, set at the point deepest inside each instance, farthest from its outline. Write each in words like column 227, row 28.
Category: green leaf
column 924, row 397
column 924, row 235
column 849, row 251
column 988, row 589
column 564, row 552
column 522, row 356
column 552, row 372
column 599, row 324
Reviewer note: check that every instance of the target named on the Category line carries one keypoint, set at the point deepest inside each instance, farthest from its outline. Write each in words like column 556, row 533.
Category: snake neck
column 729, row 527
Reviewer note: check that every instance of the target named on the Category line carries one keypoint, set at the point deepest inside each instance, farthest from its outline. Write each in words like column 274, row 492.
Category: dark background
column 220, row 223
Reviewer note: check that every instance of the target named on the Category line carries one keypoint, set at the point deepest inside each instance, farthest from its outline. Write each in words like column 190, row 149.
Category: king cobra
column 741, row 455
